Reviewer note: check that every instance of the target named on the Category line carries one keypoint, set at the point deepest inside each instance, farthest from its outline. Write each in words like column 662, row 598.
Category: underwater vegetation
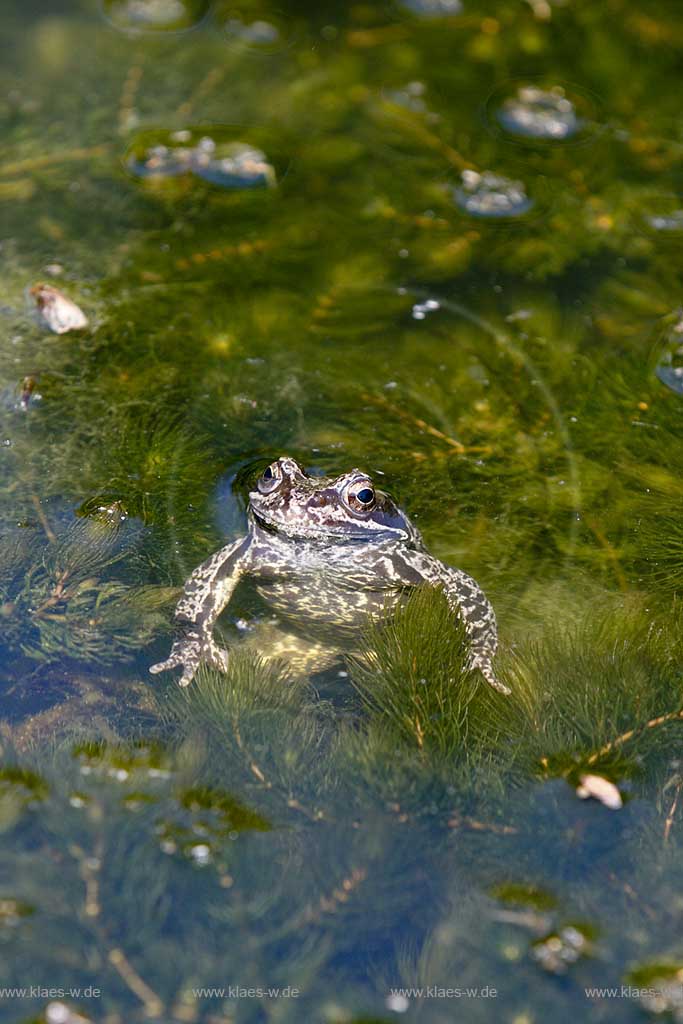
column 437, row 240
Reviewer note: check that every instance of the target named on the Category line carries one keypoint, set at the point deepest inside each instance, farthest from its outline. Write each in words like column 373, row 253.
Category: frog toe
column 218, row 659
column 188, row 675
column 162, row 666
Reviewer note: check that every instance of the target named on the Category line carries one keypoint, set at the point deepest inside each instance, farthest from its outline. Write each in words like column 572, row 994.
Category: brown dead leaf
column 601, row 789
column 58, row 312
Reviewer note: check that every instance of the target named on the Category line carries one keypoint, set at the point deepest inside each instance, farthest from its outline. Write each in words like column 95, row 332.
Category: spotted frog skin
column 324, row 553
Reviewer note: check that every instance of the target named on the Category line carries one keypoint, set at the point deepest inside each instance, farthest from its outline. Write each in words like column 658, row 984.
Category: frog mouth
column 330, row 533
column 265, row 524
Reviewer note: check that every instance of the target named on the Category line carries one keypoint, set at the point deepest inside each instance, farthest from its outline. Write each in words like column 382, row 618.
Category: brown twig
column 49, row 532
column 147, row 996
column 462, row 821
column 535, row 922
column 259, row 774
column 328, row 904
column 56, row 595
column 89, row 868
column 296, row 805
column 672, row 810
column 366, row 38
column 670, row 716
column 209, row 82
column 227, row 252
column 609, row 551
column 628, row 889
column 423, row 134
column 253, row 766
column 459, row 821
column 417, row 421
column 37, row 163
column 128, row 93
column 342, row 893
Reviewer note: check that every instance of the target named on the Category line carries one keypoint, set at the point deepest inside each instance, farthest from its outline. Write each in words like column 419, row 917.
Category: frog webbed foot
column 190, row 654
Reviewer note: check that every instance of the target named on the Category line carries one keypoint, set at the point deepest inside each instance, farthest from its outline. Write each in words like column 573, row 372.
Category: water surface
column 439, row 241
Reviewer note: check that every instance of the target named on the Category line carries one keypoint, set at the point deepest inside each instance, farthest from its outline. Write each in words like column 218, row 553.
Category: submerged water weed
column 604, row 697
column 413, row 676
column 21, row 788
column 61, row 596
column 258, row 720
column 250, row 684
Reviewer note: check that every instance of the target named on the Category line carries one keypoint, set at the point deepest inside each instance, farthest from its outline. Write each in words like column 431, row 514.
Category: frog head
column 349, row 507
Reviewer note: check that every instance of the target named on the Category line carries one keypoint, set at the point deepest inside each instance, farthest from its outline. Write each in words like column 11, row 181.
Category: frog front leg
column 467, row 600
column 205, row 595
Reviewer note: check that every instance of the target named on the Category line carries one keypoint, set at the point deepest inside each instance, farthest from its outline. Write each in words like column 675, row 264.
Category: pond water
column 437, row 240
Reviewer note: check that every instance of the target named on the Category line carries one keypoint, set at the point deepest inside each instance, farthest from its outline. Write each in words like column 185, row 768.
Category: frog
column 324, row 552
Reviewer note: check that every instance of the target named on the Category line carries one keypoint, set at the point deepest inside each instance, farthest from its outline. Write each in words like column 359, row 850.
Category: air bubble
column 411, row 97
column 535, row 113
column 421, row 309
column 433, row 8
column 669, row 368
column 491, row 195
column 201, row 854
column 397, row 1003
column 230, row 164
column 154, row 15
column 255, row 33
column 671, row 222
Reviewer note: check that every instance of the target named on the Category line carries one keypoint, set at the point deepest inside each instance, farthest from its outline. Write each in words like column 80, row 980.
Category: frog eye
column 270, row 478
column 360, row 499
